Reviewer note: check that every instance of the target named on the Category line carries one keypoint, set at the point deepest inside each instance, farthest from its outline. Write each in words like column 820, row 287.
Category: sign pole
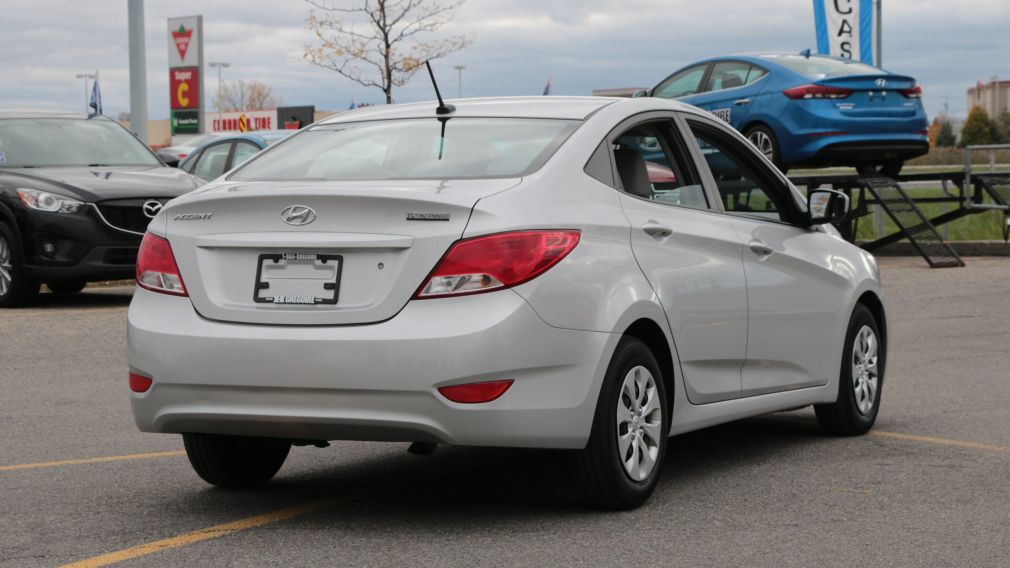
column 880, row 33
column 138, row 70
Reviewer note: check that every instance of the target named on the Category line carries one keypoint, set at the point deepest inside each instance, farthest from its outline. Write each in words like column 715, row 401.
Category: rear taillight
column 156, row 267
column 494, row 262
column 139, row 383
column 817, row 92
column 476, row 393
column 913, row 93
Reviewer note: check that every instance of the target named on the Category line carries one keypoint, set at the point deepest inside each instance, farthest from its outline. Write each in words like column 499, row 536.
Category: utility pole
column 86, row 76
column 220, row 98
column 879, row 14
column 138, row 70
column 460, row 69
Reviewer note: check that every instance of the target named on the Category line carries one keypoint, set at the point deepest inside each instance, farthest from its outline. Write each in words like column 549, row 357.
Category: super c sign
column 184, row 88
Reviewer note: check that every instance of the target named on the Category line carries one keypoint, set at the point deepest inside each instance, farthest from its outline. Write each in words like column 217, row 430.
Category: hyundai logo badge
column 298, row 215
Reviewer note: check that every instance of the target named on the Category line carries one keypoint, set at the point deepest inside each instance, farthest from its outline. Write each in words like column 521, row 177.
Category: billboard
column 244, row 121
column 295, row 117
column 184, row 88
column 185, row 64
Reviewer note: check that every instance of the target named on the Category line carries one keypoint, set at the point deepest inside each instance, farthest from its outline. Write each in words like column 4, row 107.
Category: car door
column 795, row 286
column 213, row 161
column 687, row 250
column 730, row 90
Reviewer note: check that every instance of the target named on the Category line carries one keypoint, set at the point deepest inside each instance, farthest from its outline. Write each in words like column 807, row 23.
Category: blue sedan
column 810, row 110
column 227, row 151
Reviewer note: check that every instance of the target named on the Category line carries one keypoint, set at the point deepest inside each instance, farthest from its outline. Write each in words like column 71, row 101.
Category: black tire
column 235, row 461
column 889, row 168
column 843, row 417
column 17, row 289
column 66, row 286
column 765, row 141
column 599, row 471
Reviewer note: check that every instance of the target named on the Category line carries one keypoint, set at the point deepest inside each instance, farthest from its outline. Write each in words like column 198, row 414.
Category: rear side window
column 651, row 165
column 420, row 148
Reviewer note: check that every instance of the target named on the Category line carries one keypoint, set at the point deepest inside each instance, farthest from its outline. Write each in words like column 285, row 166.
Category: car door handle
column 656, row 230
column 760, row 248
column 739, row 102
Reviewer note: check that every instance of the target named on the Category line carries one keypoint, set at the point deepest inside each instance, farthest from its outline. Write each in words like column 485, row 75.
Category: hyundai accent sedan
column 502, row 273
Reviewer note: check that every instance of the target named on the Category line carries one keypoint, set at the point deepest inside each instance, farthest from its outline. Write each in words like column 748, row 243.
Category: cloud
column 585, row 44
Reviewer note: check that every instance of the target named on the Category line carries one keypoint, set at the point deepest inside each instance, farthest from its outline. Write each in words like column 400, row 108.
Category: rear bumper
column 369, row 382
column 867, row 151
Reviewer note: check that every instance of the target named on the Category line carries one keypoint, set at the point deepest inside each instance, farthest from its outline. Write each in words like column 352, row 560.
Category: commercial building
column 993, row 97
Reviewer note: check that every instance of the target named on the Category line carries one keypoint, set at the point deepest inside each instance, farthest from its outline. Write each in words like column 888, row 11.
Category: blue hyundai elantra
column 810, row 110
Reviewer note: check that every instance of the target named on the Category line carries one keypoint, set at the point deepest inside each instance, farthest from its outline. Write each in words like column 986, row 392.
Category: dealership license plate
column 298, row 278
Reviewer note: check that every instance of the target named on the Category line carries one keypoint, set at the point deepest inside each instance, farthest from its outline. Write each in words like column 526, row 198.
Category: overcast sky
column 947, row 44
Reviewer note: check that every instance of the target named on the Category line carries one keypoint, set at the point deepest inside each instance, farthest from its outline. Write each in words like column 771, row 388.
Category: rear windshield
column 39, row 142
column 422, row 148
column 820, row 67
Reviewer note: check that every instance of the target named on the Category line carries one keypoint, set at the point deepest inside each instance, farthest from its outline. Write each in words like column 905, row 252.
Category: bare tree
column 245, row 95
column 374, row 43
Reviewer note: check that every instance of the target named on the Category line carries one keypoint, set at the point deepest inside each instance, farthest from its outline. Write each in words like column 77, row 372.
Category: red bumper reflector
column 139, row 383
column 473, row 393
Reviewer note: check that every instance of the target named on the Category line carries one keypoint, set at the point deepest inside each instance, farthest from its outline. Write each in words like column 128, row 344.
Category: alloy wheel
column 639, row 423
column 865, row 374
column 6, row 267
column 763, row 143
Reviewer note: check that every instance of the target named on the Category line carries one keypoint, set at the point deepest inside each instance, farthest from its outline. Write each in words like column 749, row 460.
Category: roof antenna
column 442, row 107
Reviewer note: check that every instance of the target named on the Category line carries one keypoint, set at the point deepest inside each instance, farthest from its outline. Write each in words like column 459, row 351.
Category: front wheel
column 860, row 382
column 16, row 289
column 619, row 467
column 235, row 461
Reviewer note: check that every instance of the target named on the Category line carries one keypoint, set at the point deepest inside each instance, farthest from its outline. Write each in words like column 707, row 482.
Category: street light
column 86, row 76
column 220, row 99
column 460, row 68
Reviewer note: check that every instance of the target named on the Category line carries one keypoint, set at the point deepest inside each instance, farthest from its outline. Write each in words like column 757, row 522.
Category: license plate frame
column 293, row 300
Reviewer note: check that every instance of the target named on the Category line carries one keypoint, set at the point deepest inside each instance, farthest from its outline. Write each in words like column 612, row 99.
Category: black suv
column 76, row 195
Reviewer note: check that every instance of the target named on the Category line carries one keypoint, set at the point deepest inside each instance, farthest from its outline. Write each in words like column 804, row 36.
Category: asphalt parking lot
column 930, row 486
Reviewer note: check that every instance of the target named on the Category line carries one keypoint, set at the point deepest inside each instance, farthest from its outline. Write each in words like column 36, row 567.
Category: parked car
column 225, row 152
column 174, row 154
column 502, row 273
column 76, row 194
column 810, row 110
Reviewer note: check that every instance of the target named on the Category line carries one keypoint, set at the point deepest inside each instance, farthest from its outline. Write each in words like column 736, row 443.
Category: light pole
column 86, row 76
column 220, row 99
column 460, row 69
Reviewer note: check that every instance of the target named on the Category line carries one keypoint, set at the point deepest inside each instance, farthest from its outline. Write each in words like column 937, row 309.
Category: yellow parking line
column 201, row 535
column 941, row 441
column 100, row 459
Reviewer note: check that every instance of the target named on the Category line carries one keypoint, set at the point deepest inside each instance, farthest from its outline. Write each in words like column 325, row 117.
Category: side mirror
column 826, row 206
column 639, row 93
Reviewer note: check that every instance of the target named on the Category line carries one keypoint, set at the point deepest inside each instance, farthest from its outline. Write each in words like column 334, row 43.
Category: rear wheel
column 862, row 378
column 889, row 168
column 235, row 461
column 764, row 140
column 66, row 286
column 15, row 288
column 620, row 465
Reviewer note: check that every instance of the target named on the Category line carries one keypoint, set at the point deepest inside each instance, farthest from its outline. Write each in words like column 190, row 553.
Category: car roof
column 45, row 113
column 572, row 108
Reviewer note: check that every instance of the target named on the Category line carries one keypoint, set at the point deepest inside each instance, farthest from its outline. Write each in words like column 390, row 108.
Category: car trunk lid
column 358, row 260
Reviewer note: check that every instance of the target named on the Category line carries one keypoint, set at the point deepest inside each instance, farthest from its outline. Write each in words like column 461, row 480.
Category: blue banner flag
column 96, row 97
column 846, row 29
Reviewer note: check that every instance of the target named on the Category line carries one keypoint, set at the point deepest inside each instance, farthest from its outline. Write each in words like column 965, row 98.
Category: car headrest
column 731, row 81
column 634, row 175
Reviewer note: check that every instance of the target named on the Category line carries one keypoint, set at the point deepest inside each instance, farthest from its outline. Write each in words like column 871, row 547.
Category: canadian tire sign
column 185, row 71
